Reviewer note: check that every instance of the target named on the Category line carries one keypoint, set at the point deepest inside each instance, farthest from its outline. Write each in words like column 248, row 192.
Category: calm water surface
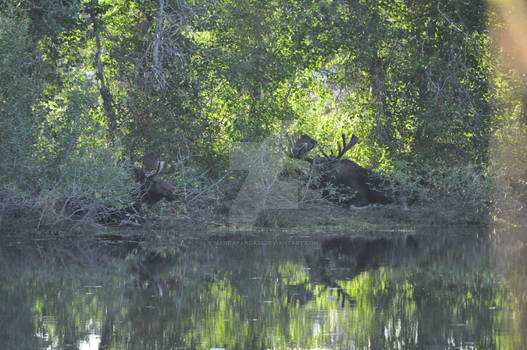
column 429, row 291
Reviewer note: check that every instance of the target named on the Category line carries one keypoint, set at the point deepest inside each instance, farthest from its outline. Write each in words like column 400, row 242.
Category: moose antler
column 298, row 149
column 341, row 149
column 331, row 156
column 346, row 147
column 151, row 161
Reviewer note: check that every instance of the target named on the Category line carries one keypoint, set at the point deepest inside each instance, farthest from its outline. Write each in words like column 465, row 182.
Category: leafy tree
column 18, row 119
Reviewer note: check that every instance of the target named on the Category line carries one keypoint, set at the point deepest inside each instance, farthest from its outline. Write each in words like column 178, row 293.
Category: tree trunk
column 377, row 78
column 158, row 40
column 107, row 99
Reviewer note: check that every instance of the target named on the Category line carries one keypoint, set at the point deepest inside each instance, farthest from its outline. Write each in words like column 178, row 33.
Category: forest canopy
column 86, row 83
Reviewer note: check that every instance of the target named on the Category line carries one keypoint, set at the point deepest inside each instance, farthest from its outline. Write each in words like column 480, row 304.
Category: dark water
column 429, row 291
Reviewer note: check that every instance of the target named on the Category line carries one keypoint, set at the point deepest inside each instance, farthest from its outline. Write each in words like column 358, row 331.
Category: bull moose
column 152, row 189
column 355, row 185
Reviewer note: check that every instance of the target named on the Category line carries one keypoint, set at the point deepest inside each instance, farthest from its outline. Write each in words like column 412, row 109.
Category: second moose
column 152, row 187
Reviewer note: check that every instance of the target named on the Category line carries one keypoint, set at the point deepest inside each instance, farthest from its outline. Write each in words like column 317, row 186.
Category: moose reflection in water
column 345, row 257
column 365, row 253
column 355, row 185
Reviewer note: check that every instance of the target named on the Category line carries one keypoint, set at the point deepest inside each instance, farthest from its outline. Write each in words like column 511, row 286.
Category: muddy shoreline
column 317, row 218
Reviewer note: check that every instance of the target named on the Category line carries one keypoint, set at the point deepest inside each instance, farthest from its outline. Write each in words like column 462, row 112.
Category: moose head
column 153, row 188
column 301, row 147
column 152, row 161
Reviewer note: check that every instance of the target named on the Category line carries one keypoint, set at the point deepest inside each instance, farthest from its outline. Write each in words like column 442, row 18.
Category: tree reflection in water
column 428, row 291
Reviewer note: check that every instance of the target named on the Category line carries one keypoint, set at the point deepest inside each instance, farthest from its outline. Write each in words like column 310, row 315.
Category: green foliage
column 417, row 82
column 74, row 126
column 88, row 187
column 18, row 120
column 99, row 176
column 467, row 185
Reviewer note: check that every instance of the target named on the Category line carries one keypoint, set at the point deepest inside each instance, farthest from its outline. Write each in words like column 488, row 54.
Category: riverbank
column 321, row 217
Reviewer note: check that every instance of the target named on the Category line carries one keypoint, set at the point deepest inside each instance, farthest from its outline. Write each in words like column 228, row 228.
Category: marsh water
column 431, row 290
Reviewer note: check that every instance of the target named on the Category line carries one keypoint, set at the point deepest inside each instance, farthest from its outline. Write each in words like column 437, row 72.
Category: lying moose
column 355, row 185
column 152, row 188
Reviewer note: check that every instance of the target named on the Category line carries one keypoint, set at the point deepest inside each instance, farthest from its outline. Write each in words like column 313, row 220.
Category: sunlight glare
column 91, row 343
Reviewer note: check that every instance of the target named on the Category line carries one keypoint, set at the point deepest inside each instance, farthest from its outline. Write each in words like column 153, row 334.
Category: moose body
column 152, row 189
column 360, row 186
